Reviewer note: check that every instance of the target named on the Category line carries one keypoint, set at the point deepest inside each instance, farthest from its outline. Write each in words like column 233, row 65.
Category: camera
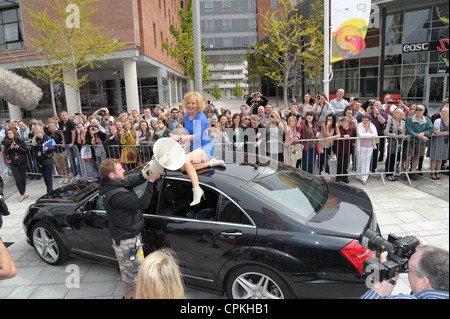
column 399, row 249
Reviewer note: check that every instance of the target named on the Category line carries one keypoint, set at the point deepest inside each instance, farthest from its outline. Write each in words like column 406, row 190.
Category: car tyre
column 48, row 244
column 256, row 282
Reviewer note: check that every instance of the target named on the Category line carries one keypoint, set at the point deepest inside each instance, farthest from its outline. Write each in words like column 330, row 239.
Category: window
column 148, row 91
column 290, row 192
column 227, row 42
column 227, row 25
column 208, row 6
column 273, row 4
column 209, row 25
column 228, row 212
column 11, row 35
column 177, row 195
column 418, row 17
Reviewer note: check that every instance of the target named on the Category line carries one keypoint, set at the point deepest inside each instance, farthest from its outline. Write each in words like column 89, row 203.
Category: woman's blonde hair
column 276, row 115
column 197, row 97
column 292, row 117
column 399, row 110
column 159, row 277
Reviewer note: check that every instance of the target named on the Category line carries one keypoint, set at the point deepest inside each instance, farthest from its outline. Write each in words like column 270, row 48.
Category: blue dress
column 198, row 127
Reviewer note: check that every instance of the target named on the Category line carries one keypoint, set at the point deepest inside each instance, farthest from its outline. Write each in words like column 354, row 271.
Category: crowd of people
column 314, row 130
column 310, row 132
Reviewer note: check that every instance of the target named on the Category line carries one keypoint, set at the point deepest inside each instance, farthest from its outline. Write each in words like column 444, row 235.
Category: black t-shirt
column 66, row 130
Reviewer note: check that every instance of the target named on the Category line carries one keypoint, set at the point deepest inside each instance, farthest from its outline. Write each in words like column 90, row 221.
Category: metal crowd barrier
column 337, row 161
column 397, row 156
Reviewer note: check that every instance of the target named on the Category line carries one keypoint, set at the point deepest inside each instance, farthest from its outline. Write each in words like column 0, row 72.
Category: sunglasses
column 420, row 110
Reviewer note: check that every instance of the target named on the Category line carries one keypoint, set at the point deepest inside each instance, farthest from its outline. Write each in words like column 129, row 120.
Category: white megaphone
column 169, row 154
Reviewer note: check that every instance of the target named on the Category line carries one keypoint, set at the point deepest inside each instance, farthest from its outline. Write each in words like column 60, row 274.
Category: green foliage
column 216, row 92
column 290, row 41
column 312, row 58
column 69, row 49
column 182, row 48
column 238, row 92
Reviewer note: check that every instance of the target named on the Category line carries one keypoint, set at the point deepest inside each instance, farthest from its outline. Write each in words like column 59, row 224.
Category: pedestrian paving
column 400, row 209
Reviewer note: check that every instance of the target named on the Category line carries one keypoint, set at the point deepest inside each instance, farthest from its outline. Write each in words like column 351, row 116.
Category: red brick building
column 142, row 71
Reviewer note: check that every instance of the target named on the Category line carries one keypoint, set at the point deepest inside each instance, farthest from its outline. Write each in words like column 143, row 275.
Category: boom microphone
column 18, row 90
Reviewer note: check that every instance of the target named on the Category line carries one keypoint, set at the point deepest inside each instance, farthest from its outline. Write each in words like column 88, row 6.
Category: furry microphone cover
column 18, row 90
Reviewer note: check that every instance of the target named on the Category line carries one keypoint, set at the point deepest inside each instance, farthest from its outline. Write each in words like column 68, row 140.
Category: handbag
column 131, row 156
column 296, row 151
column 86, row 152
column 5, row 158
column 319, row 148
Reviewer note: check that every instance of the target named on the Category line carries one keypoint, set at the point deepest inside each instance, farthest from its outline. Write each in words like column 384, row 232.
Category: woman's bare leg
column 195, row 160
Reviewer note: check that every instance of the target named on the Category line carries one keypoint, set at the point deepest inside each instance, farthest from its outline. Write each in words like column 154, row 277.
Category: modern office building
column 140, row 74
column 407, row 45
column 228, row 29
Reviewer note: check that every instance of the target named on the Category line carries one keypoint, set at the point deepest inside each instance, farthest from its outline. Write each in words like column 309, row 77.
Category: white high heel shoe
column 197, row 194
column 215, row 162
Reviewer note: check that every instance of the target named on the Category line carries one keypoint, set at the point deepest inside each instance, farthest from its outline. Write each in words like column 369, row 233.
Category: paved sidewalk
column 400, row 209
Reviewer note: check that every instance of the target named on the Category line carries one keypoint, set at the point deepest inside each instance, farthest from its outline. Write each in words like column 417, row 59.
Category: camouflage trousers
column 129, row 268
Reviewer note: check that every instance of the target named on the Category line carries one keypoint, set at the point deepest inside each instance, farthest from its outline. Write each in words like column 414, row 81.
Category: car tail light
column 356, row 254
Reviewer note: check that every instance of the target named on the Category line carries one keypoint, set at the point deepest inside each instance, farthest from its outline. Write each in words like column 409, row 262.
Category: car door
column 203, row 237
column 90, row 224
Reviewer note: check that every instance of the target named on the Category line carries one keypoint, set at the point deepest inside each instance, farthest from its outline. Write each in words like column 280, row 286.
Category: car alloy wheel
column 48, row 245
column 257, row 283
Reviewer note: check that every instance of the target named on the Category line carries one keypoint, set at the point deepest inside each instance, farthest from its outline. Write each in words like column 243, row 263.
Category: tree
column 291, row 40
column 312, row 57
column 216, row 92
column 283, row 43
column 70, row 39
column 49, row 70
column 257, row 66
column 238, row 92
column 182, row 48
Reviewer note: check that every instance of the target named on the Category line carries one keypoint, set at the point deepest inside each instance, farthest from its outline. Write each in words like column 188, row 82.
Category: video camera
column 399, row 249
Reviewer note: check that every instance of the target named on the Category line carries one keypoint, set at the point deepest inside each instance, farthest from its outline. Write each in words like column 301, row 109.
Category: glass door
column 437, row 91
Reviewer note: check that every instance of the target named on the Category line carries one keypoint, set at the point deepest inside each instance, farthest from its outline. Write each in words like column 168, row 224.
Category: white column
column 14, row 112
column 131, row 84
column 169, row 80
column 72, row 95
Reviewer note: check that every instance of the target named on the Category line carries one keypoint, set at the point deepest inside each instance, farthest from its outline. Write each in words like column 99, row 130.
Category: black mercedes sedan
column 263, row 231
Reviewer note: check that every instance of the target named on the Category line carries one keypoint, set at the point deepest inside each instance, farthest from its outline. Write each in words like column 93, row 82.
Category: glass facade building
column 404, row 56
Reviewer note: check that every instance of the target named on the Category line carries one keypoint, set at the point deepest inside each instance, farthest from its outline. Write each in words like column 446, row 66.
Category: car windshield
column 296, row 195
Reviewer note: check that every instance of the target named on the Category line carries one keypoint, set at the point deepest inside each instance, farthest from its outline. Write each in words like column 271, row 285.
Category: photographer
column 95, row 137
column 392, row 106
column 256, row 100
column 427, row 275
